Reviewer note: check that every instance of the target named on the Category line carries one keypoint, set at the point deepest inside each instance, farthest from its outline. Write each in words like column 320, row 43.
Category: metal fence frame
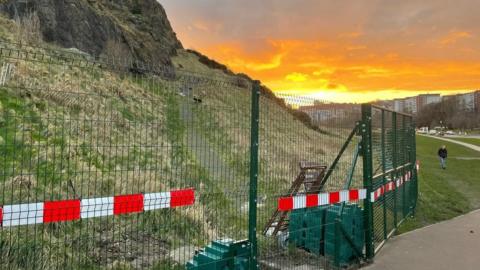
column 394, row 168
column 403, row 163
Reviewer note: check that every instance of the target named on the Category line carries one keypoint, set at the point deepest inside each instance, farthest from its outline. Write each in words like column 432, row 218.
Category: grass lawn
column 444, row 194
column 474, row 141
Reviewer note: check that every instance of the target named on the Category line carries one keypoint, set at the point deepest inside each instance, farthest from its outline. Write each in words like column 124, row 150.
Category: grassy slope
column 225, row 114
column 69, row 132
column 59, row 135
column 94, row 130
column 444, row 194
column 224, row 119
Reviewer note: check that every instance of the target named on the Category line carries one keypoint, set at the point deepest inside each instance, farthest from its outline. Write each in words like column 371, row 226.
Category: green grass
column 444, row 194
column 474, row 141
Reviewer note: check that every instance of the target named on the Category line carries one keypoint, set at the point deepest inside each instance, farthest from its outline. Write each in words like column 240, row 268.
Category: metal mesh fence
column 108, row 169
column 294, row 154
column 112, row 165
column 394, row 171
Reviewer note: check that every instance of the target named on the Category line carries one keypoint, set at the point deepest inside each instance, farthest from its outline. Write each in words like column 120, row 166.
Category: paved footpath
column 468, row 145
column 452, row 244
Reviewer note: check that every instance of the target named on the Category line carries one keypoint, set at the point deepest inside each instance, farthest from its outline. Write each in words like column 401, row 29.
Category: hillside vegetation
column 70, row 130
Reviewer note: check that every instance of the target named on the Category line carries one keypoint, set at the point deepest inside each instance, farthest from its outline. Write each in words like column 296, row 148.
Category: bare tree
column 449, row 114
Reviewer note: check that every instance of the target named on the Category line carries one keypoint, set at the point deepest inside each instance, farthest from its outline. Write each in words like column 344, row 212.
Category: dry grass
column 91, row 133
column 284, row 140
column 28, row 29
column 80, row 133
column 224, row 117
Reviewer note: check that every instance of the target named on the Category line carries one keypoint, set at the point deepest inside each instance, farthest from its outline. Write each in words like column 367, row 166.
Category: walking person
column 442, row 154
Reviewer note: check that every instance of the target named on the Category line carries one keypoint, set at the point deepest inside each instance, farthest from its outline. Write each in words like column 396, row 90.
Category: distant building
column 469, row 102
column 324, row 111
column 427, row 99
column 414, row 105
column 410, row 105
column 399, row 105
column 450, row 97
column 385, row 103
column 477, row 101
column 466, row 101
column 320, row 112
column 389, row 104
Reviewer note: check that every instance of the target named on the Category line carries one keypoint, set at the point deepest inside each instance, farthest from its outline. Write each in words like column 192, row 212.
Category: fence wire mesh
column 294, row 153
column 113, row 165
column 115, row 157
column 394, row 171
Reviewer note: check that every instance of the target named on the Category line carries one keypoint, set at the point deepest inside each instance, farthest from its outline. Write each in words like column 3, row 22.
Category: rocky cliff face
column 140, row 26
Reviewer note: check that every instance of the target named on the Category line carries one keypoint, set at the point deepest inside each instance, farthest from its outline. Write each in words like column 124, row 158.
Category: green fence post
column 366, row 130
column 404, row 161
column 384, row 178
column 252, row 212
column 394, row 163
column 409, row 190
column 414, row 170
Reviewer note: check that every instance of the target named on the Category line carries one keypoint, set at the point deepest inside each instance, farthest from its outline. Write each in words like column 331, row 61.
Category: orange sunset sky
column 339, row 50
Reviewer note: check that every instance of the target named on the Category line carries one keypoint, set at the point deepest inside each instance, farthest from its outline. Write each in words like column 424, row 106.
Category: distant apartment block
column 320, row 112
column 468, row 102
column 427, row 99
column 399, row 105
column 477, row 101
column 415, row 104
column 410, row 105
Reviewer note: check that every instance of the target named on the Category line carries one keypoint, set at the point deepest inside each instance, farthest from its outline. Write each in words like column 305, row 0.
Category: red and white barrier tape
column 390, row 186
column 313, row 200
column 69, row 210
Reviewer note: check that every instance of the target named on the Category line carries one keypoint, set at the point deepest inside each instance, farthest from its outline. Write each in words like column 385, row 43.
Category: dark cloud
column 307, row 18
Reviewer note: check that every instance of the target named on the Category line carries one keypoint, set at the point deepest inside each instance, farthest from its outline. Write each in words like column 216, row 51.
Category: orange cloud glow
column 296, row 77
column 378, row 50
column 334, row 74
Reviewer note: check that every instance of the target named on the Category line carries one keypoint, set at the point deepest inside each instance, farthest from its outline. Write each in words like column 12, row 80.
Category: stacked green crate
column 314, row 221
column 221, row 255
column 352, row 222
column 306, row 229
column 296, row 225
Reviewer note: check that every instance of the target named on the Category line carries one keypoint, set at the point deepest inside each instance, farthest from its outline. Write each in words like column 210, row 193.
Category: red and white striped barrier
column 390, row 186
column 69, row 210
column 313, row 200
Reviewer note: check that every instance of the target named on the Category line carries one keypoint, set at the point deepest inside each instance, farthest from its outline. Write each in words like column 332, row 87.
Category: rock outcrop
column 140, row 26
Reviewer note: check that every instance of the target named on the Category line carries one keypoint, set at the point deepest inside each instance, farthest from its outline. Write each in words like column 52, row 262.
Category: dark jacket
column 442, row 153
